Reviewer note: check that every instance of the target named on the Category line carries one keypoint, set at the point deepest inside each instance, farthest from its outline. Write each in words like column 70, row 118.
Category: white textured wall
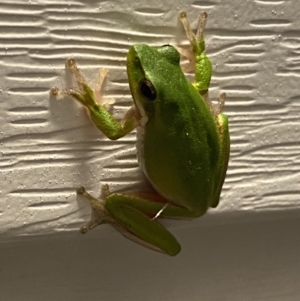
column 246, row 249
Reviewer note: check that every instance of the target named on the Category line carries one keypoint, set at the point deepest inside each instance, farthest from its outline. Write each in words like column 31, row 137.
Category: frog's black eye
column 147, row 89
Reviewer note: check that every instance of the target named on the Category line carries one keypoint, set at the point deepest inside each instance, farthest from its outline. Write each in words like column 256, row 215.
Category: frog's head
column 149, row 70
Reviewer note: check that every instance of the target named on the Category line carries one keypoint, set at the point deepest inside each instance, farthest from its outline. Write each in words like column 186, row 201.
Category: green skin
column 184, row 151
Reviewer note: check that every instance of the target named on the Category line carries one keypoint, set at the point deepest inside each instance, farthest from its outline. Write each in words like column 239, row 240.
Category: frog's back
column 180, row 149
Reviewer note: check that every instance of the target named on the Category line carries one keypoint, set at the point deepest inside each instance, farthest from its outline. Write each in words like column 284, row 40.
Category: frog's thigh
column 150, row 204
column 135, row 214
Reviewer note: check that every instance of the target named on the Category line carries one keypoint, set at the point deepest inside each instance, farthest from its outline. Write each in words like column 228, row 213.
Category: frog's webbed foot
column 85, row 94
column 199, row 36
column 99, row 213
column 72, row 65
column 199, row 62
column 196, row 40
column 220, row 105
column 215, row 108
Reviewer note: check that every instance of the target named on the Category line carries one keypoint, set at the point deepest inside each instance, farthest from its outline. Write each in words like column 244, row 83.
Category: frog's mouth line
column 141, row 110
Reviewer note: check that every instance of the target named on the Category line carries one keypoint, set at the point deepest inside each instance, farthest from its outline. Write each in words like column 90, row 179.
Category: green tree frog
column 183, row 141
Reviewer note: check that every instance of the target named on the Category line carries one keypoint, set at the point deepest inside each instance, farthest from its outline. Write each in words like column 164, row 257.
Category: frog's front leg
column 103, row 120
column 134, row 215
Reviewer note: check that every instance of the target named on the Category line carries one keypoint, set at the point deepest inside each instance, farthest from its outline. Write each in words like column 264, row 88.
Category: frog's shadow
column 82, row 141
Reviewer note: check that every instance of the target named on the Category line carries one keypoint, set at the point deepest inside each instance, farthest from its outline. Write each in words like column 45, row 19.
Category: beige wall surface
column 246, row 249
